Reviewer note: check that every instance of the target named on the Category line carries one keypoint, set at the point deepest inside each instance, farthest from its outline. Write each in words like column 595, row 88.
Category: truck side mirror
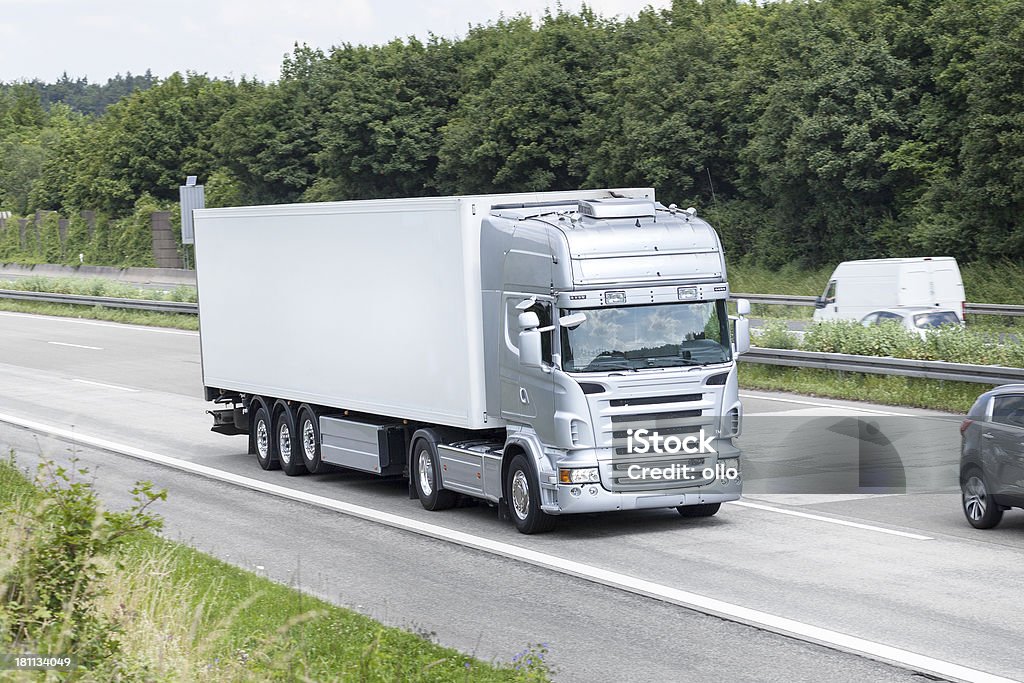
column 530, row 353
column 742, row 307
column 742, row 332
column 528, row 321
column 819, row 302
column 572, row 320
column 530, row 348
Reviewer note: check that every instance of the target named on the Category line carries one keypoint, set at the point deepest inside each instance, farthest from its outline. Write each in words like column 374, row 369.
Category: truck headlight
column 578, row 475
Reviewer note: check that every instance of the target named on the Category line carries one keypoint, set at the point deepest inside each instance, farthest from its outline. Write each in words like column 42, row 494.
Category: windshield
column 656, row 336
column 936, row 319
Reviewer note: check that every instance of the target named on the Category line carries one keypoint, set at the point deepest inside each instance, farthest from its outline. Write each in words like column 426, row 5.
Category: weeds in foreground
column 131, row 606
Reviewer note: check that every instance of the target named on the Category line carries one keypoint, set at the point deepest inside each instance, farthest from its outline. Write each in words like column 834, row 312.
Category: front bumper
column 596, row 498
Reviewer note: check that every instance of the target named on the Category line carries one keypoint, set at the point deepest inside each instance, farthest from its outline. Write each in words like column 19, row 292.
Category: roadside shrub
column 951, row 344
column 774, row 334
column 59, row 550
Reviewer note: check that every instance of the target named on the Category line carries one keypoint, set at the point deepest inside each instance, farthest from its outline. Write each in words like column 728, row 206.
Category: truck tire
column 309, row 440
column 426, row 476
column 523, row 496
column 286, row 439
column 263, row 440
column 704, row 510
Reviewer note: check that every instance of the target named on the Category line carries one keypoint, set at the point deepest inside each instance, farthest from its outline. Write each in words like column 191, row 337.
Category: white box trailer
column 335, row 303
column 446, row 339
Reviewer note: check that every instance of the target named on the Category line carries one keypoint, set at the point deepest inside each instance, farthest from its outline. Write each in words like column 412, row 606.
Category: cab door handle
column 988, row 435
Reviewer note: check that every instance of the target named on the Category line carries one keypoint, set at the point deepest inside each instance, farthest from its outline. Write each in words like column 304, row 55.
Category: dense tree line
column 81, row 95
column 809, row 131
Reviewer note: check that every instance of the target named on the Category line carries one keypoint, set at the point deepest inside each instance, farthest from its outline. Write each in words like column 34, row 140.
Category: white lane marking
column 96, row 323
column 725, row 610
column 77, row 346
column 105, row 386
column 829, row 405
column 831, row 520
column 823, row 411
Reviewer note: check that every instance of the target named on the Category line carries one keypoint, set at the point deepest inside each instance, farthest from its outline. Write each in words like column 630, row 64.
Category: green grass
column 184, row 321
column 98, row 286
column 954, row 397
column 186, row 616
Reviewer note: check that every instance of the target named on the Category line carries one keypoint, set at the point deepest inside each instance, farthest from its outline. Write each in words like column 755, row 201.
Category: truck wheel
column 288, row 451
column 705, row 510
column 523, row 496
column 426, row 475
column 309, row 439
column 263, row 440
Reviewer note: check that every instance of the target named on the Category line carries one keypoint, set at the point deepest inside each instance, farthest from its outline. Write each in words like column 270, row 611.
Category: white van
column 858, row 288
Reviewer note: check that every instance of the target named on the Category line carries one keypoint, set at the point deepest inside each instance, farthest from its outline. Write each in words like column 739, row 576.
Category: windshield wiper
column 672, row 362
column 602, row 367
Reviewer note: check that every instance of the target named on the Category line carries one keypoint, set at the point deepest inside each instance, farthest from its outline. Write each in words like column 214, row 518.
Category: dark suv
column 992, row 456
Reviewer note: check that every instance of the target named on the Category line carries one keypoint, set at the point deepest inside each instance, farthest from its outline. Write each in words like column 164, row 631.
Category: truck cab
column 614, row 360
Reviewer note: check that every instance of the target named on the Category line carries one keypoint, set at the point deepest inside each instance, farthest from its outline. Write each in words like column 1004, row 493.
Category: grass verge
column 954, row 397
column 98, row 286
column 182, row 321
column 179, row 615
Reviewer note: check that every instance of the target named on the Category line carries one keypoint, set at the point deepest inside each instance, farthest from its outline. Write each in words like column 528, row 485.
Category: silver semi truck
column 551, row 353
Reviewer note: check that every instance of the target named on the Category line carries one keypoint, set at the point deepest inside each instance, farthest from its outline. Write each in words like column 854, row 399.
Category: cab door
column 528, row 393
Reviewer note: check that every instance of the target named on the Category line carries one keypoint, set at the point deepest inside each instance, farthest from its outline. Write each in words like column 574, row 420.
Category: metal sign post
column 192, row 197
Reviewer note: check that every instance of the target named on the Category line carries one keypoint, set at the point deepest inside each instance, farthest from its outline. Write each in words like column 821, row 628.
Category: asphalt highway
column 896, row 570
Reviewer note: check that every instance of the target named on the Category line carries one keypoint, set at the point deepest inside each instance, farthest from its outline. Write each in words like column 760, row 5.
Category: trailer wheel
column 704, row 510
column 309, row 439
column 287, row 442
column 426, row 475
column 263, row 440
column 523, row 496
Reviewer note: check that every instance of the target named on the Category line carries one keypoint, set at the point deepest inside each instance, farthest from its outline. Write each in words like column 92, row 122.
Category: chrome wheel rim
column 975, row 498
column 262, row 439
column 520, row 494
column 426, row 469
column 284, row 443
column 308, row 440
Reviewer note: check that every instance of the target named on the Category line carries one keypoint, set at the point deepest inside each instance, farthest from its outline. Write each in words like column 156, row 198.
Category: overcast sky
column 230, row 38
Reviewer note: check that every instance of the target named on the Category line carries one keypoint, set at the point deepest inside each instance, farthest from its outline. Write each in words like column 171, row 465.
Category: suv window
column 886, row 315
column 936, row 319
column 1008, row 410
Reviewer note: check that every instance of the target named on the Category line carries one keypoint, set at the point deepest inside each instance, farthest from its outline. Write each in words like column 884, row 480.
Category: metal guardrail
column 103, row 301
column 787, row 300
column 877, row 365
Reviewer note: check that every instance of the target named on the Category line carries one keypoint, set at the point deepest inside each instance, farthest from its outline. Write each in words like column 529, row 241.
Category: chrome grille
column 620, row 480
column 670, row 414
